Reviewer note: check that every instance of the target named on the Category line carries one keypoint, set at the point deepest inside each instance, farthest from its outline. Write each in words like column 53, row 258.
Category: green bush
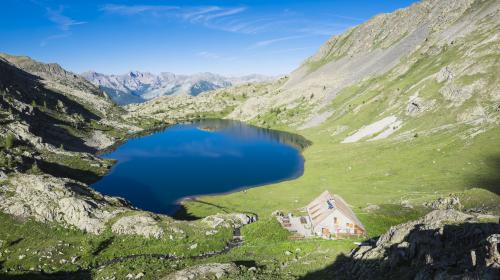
column 9, row 141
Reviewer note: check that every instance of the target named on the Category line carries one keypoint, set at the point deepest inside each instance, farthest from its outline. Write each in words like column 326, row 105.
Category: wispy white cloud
column 63, row 22
column 225, row 13
column 195, row 14
column 205, row 15
column 137, row 9
column 46, row 40
column 253, row 26
column 236, row 19
column 276, row 40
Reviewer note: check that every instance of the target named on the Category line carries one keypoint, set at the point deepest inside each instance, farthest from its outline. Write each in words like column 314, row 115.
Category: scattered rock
column 456, row 94
column 211, row 232
column 371, row 208
column 443, row 203
column 381, row 128
column 277, row 213
column 444, row 75
column 99, row 140
column 3, row 176
column 406, row 204
column 203, row 271
column 235, row 220
column 194, row 246
column 444, row 244
column 417, row 105
column 49, row 199
column 473, row 116
column 141, row 224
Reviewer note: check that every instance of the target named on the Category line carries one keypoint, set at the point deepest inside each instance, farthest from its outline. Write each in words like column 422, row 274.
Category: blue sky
column 227, row 37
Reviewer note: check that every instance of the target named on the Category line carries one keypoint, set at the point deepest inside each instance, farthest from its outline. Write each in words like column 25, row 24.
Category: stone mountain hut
column 331, row 216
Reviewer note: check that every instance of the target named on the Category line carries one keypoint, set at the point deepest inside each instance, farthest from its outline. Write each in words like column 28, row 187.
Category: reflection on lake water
column 205, row 157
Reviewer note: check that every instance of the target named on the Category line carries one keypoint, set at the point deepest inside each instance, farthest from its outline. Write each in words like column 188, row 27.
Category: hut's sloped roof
column 325, row 204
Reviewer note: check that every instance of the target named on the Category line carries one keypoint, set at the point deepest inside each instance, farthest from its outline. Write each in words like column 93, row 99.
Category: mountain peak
column 137, row 86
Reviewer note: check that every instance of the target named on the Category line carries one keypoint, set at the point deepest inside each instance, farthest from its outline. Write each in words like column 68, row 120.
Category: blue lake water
column 206, row 157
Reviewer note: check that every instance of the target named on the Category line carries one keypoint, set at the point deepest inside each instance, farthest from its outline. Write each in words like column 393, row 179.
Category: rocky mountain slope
column 53, row 123
column 57, row 106
column 137, row 87
column 444, row 244
column 395, row 72
column 401, row 110
column 430, row 57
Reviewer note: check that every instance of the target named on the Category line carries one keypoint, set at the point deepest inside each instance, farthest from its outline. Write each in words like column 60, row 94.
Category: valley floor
column 399, row 179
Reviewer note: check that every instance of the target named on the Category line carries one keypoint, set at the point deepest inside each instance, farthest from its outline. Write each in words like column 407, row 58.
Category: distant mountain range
column 137, row 87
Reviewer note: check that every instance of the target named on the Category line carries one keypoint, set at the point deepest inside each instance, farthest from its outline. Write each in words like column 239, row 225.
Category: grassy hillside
column 445, row 143
column 435, row 79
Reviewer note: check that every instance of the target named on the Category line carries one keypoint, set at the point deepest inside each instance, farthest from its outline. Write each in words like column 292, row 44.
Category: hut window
column 335, row 221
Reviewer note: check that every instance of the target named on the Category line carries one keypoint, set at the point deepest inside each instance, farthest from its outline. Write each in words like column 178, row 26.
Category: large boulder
column 203, row 271
column 234, row 220
column 444, row 244
column 142, row 224
column 48, row 199
column 443, row 203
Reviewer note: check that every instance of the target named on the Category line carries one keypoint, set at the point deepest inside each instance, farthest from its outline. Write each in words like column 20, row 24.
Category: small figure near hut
column 328, row 216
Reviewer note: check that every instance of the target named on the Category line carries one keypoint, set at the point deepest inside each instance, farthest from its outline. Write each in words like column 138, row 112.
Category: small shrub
column 9, row 141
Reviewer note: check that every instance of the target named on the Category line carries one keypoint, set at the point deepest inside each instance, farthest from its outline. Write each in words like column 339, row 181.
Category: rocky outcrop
column 48, row 199
column 444, row 244
column 443, row 203
column 379, row 130
column 234, row 220
column 203, row 271
column 99, row 140
column 49, row 108
column 141, row 224
column 417, row 105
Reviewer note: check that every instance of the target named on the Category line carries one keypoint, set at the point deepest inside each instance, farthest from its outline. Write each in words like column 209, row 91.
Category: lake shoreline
column 253, row 148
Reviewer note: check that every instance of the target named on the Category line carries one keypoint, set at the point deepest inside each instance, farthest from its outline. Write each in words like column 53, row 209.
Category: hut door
column 326, row 232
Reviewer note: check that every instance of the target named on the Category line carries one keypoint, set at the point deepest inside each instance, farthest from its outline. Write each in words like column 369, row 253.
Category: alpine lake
column 155, row 172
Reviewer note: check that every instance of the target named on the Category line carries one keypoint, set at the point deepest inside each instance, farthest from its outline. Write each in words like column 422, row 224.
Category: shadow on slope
column 22, row 89
column 81, row 275
column 183, row 214
column 63, row 171
column 490, row 180
column 461, row 250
